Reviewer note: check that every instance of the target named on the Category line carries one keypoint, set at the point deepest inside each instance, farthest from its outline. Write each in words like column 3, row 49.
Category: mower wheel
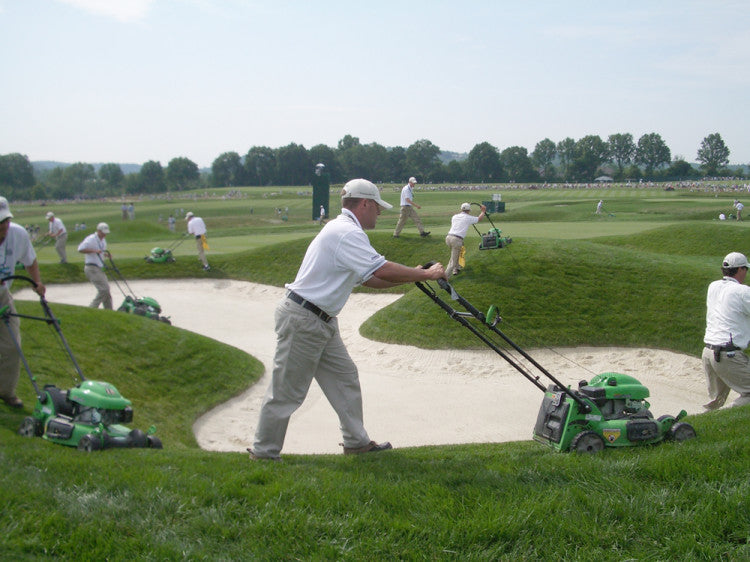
column 137, row 438
column 681, row 431
column 154, row 442
column 89, row 443
column 165, row 320
column 31, row 427
column 587, row 442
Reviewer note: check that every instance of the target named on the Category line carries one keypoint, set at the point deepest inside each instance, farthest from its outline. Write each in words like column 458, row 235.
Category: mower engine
column 89, row 416
column 611, row 411
column 494, row 240
column 144, row 306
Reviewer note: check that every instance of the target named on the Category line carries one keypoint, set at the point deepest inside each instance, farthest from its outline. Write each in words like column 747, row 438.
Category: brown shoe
column 371, row 447
column 13, row 402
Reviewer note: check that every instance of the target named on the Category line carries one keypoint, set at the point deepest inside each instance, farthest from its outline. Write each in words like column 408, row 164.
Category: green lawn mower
column 141, row 306
column 164, row 255
column 494, row 239
column 90, row 416
column 610, row 410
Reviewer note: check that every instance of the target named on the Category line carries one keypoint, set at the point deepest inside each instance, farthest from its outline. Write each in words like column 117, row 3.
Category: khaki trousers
column 10, row 359
column 730, row 373
column 454, row 243
column 99, row 279
column 201, row 251
column 60, row 242
column 308, row 348
column 408, row 212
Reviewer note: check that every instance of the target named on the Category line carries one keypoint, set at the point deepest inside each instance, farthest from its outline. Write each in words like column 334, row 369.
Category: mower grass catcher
column 90, row 416
column 610, row 410
column 142, row 306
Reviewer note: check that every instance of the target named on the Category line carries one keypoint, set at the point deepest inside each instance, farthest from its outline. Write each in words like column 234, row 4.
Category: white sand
column 411, row 396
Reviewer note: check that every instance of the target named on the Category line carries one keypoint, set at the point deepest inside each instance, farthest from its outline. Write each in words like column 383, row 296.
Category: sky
column 129, row 81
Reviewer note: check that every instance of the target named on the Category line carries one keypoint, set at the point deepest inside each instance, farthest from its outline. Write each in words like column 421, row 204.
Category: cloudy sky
column 135, row 80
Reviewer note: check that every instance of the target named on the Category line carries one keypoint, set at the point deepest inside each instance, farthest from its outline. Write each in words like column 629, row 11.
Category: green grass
column 636, row 279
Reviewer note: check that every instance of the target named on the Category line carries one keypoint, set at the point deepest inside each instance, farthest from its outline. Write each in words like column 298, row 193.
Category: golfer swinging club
column 309, row 344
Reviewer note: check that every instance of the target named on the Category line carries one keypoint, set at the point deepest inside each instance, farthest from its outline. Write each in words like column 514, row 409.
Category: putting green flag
column 204, row 241
column 462, row 257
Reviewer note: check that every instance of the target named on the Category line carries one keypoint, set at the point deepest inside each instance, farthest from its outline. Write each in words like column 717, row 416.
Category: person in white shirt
column 94, row 248
column 197, row 227
column 407, row 210
column 727, row 334
column 322, row 216
column 15, row 246
column 60, row 234
column 309, row 344
column 460, row 224
column 738, row 206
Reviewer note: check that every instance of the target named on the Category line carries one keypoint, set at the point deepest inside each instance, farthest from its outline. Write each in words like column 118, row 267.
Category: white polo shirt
column 337, row 260
column 93, row 242
column 406, row 193
column 196, row 226
column 728, row 313
column 460, row 224
column 55, row 226
column 16, row 247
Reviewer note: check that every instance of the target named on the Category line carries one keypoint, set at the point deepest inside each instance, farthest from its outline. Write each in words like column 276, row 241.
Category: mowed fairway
column 256, row 217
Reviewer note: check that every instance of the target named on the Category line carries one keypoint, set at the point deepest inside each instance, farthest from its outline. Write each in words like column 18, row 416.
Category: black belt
column 198, row 235
column 457, row 236
column 309, row 306
column 721, row 347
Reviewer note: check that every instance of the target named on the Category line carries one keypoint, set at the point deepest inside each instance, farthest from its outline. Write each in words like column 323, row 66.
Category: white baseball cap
column 189, row 215
column 465, row 207
column 735, row 259
column 364, row 189
column 50, row 214
column 5, row 209
column 103, row 227
column 412, row 180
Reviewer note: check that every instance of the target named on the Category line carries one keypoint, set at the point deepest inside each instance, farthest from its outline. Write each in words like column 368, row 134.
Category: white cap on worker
column 189, row 215
column 50, row 214
column 735, row 259
column 364, row 189
column 5, row 209
column 412, row 180
column 103, row 227
column 465, row 207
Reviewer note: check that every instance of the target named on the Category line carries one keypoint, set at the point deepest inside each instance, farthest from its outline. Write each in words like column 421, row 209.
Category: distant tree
column 16, row 176
column 713, row 154
column 517, row 165
column 590, row 153
column 348, row 142
column 680, row 169
column 566, row 150
column 182, row 173
column 293, row 165
column 483, row 164
column 456, row 171
column 397, row 164
column 652, row 153
column 621, row 150
column 150, row 179
column 320, row 153
column 543, row 158
column 422, row 160
column 227, row 170
column 76, row 180
column 112, row 176
column 260, row 166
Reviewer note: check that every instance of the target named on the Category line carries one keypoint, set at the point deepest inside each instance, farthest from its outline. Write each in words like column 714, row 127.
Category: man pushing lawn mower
column 309, row 344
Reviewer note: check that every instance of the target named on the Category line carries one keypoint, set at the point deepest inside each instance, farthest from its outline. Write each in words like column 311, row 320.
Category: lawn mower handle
column 49, row 318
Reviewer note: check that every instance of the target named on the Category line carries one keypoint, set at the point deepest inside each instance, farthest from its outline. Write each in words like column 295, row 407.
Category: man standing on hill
column 60, row 234
column 727, row 334
column 197, row 228
column 407, row 210
column 309, row 344
column 94, row 246
column 15, row 246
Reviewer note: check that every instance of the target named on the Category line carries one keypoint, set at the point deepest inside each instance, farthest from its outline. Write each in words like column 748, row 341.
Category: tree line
column 619, row 157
